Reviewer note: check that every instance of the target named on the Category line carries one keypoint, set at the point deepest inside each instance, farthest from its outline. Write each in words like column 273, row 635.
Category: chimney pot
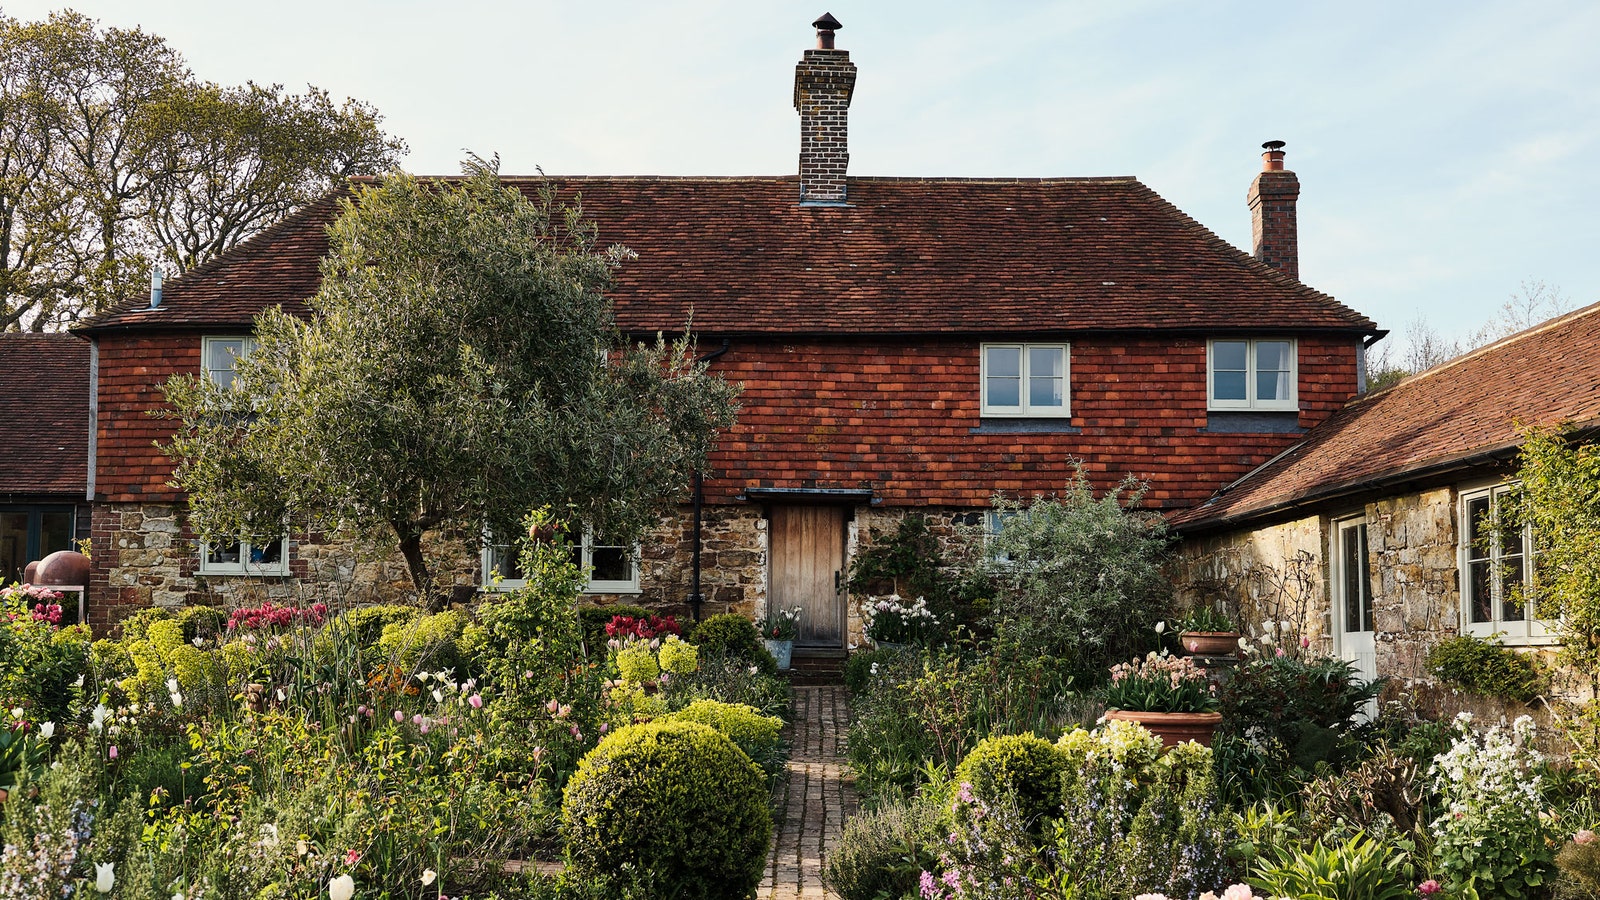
column 1273, row 219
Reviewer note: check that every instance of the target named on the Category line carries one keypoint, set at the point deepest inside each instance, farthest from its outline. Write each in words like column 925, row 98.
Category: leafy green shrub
column 756, row 734
column 860, row 665
column 1301, row 710
column 595, row 619
column 883, row 851
column 1491, row 837
column 1487, row 667
column 1358, row 869
column 430, row 642
column 134, row 624
column 676, row 799
column 364, row 625
column 734, row 634
column 1024, row 768
column 1386, row 791
column 728, row 678
column 678, row 656
column 636, row 663
column 1078, row 580
column 204, row 622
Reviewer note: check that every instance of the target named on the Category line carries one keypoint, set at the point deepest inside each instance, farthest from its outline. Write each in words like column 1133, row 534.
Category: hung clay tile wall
column 902, row 418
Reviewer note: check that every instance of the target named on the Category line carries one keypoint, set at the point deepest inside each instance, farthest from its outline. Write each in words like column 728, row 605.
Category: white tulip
column 172, row 685
column 1161, row 627
column 104, row 877
column 428, row 875
column 342, row 888
column 47, row 730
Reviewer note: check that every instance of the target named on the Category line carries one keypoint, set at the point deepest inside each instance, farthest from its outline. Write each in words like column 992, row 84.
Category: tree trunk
column 421, row 578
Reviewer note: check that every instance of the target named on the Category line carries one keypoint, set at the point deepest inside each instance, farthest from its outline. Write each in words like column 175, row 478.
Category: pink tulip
column 399, row 716
column 475, row 701
column 112, row 753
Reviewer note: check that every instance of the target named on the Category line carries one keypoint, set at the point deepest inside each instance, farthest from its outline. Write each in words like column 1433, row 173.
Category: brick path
column 818, row 797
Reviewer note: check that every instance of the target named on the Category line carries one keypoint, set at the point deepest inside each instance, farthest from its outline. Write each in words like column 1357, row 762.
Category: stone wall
column 733, row 564
column 1416, row 599
column 1274, row 574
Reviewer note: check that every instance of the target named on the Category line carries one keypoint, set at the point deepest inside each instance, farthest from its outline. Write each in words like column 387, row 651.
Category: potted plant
column 1205, row 631
column 1169, row 695
column 779, row 629
column 892, row 623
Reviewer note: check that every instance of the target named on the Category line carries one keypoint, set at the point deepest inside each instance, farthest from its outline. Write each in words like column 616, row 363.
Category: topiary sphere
column 734, row 635
column 676, row 800
column 1018, row 768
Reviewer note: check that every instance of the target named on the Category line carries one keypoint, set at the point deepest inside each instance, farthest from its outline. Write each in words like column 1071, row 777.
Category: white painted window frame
column 1531, row 631
column 1024, row 409
column 493, row 553
column 244, row 566
column 206, row 343
column 1251, row 403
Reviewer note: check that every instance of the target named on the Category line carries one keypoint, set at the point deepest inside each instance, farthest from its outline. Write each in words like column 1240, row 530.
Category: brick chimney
column 823, row 83
column 1272, row 217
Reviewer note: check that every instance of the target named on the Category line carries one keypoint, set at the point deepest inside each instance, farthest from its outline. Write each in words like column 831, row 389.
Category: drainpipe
column 696, row 598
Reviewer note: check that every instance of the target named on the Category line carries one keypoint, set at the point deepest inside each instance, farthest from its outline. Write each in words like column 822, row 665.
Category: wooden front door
column 808, row 570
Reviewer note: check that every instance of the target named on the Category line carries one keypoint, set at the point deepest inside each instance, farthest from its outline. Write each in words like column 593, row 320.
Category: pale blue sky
column 1447, row 151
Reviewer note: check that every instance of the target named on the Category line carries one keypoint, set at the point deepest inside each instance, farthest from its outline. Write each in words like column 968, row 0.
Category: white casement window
column 243, row 558
column 1251, row 375
column 1026, row 380
column 611, row 569
column 1496, row 565
column 219, row 354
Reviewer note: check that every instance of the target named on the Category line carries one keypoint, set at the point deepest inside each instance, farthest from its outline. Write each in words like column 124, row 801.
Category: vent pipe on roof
column 155, row 288
column 823, row 84
column 1273, row 223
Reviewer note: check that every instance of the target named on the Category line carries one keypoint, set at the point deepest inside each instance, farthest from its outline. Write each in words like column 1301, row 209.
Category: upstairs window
column 1496, row 568
column 1251, row 375
column 611, row 569
column 218, row 355
column 1025, row 380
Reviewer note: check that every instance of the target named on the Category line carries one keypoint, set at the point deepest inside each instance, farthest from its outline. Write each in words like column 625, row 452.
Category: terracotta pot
column 1173, row 727
column 1210, row 643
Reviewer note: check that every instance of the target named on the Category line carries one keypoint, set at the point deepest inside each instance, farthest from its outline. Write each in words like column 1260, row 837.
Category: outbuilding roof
column 905, row 256
column 1462, row 413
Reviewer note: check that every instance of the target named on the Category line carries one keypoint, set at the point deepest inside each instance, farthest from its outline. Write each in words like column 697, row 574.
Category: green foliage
column 364, row 625
column 1078, row 578
column 39, row 661
column 676, row 799
column 431, row 642
column 1358, row 869
column 860, row 666
column 1384, row 792
column 1487, row 667
column 636, row 663
column 754, row 733
column 1559, row 497
column 729, row 679
column 203, row 622
column 733, row 634
column 884, row 850
column 1282, row 715
column 527, row 396
column 677, row 656
column 1206, row 619
column 1020, row 767
column 1160, row 684
column 910, row 563
column 117, row 158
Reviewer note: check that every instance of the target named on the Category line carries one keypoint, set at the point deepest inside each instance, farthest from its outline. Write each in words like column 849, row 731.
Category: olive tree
column 461, row 366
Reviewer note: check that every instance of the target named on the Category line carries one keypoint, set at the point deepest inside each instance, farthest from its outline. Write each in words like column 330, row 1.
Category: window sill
column 1253, row 422
column 1026, row 426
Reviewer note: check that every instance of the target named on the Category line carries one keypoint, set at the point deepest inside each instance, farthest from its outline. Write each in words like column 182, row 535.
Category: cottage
column 45, row 416
column 905, row 344
column 1386, row 506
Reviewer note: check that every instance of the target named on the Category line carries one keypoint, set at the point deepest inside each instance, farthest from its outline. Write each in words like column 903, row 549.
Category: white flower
column 1161, row 627
column 178, row 895
column 198, row 641
column 342, row 888
column 79, row 682
column 177, row 700
column 47, row 730
column 97, row 720
column 283, row 694
column 104, row 877
column 16, row 712
column 172, row 685
column 269, row 835
column 301, row 847
column 428, row 875
column 438, row 695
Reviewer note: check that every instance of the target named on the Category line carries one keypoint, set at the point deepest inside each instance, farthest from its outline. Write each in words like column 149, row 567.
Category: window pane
column 13, row 545
column 223, row 554
column 1228, row 386
column 1366, row 585
column 55, row 532
column 611, row 564
column 1477, row 524
column 1272, row 385
column 1229, row 355
column 1005, row 361
column 1272, row 356
column 1044, row 362
column 1005, row 391
column 1511, row 575
column 270, row 555
column 220, row 357
column 1478, row 586
column 503, row 559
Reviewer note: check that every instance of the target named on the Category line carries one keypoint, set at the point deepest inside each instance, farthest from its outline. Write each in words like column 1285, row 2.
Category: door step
column 817, row 666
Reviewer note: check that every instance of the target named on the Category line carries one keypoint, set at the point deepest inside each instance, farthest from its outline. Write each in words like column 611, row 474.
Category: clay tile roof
column 1455, row 414
column 44, row 412
column 908, row 255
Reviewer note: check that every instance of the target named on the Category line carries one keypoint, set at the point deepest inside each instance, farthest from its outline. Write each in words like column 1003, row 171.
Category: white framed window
column 611, row 569
column 218, row 356
column 1247, row 374
column 1496, row 564
column 994, row 522
column 1026, row 380
column 243, row 558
